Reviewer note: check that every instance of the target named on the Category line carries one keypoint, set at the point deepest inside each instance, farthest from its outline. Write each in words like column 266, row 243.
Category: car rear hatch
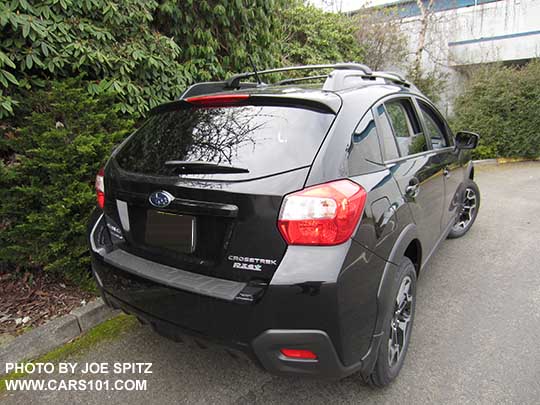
column 199, row 186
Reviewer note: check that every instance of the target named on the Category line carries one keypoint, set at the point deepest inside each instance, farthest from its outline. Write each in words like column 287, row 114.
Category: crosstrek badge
column 250, row 263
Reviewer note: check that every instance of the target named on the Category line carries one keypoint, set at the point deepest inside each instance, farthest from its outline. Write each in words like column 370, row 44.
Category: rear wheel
column 398, row 324
column 470, row 205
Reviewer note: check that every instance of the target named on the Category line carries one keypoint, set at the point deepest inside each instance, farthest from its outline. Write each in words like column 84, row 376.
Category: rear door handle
column 446, row 172
column 413, row 188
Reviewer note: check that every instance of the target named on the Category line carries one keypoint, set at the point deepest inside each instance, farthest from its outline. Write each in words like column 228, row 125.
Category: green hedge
column 146, row 52
column 46, row 175
column 110, row 42
column 312, row 36
column 143, row 51
column 502, row 104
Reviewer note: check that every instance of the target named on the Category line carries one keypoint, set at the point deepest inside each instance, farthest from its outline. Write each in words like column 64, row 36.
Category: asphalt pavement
column 476, row 337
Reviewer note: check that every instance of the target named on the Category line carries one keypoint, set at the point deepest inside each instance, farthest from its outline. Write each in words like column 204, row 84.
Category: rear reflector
column 326, row 214
column 299, row 354
column 100, row 188
column 217, row 100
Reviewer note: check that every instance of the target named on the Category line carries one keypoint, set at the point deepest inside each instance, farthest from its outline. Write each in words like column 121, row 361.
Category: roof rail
column 300, row 79
column 234, row 82
column 392, row 77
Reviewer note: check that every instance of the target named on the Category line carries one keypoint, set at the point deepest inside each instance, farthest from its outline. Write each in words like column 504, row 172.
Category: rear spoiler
column 312, row 100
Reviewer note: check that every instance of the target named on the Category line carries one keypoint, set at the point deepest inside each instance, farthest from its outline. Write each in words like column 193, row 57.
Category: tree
column 426, row 14
column 379, row 33
column 429, row 70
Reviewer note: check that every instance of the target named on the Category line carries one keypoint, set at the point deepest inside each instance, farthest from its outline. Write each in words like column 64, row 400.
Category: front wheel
column 470, row 204
column 398, row 324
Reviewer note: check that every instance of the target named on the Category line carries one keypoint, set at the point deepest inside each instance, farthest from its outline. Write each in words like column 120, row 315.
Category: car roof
column 345, row 82
column 368, row 91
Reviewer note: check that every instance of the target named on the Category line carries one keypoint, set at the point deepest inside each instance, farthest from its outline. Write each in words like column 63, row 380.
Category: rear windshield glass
column 262, row 139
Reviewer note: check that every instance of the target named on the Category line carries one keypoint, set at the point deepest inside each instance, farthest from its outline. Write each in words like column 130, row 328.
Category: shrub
column 216, row 38
column 50, row 157
column 312, row 36
column 143, row 51
column 502, row 104
column 111, row 42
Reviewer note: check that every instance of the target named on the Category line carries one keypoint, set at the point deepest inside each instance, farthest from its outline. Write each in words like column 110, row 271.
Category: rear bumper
column 333, row 316
column 264, row 350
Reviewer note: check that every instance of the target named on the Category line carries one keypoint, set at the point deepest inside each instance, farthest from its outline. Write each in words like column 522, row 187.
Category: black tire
column 469, row 210
column 389, row 364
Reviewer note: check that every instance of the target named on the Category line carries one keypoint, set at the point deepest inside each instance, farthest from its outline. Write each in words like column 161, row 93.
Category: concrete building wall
column 498, row 31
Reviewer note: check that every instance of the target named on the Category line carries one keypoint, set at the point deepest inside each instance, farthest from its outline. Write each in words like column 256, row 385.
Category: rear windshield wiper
column 199, row 167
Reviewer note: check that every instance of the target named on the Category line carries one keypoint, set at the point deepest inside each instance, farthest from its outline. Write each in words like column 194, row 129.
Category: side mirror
column 466, row 140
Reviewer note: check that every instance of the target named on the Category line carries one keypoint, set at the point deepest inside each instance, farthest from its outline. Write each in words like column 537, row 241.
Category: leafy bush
column 109, row 41
column 125, row 47
column 431, row 83
column 216, row 38
column 50, row 157
column 502, row 104
column 312, row 36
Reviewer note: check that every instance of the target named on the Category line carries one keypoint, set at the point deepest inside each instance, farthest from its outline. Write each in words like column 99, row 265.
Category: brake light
column 299, row 354
column 217, row 100
column 326, row 214
column 100, row 188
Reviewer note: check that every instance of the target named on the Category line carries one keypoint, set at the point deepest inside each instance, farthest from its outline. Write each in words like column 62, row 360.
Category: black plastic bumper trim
column 172, row 277
column 166, row 275
column 328, row 365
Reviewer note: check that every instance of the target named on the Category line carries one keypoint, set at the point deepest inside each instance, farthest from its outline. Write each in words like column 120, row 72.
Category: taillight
column 299, row 354
column 100, row 188
column 217, row 100
column 326, row 214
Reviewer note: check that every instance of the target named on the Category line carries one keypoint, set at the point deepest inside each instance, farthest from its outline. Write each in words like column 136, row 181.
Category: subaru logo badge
column 160, row 199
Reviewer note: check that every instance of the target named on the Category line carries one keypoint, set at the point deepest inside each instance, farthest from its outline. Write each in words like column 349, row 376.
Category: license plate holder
column 170, row 231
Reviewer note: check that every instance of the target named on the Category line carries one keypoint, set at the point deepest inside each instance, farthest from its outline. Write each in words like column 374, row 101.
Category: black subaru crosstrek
column 288, row 221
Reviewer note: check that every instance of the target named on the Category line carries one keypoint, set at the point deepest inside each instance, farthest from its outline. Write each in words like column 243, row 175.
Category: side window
column 435, row 127
column 387, row 137
column 364, row 146
column 365, row 139
column 409, row 136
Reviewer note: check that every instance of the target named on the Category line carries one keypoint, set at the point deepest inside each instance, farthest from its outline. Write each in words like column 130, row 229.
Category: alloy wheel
column 468, row 210
column 400, row 324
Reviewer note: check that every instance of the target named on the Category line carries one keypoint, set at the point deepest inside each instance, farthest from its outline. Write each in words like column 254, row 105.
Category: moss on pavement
column 106, row 331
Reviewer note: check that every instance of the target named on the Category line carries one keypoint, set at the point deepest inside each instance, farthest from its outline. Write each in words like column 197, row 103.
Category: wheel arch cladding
column 407, row 238
column 414, row 252
column 407, row 242
column 470, row 171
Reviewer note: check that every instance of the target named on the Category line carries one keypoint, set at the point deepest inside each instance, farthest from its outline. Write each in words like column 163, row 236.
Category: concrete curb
column 502, row 161
column 55, row 333
column 484, row 162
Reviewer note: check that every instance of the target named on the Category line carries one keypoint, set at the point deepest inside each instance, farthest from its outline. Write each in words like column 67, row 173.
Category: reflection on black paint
column 311, row 288
column 264, row 140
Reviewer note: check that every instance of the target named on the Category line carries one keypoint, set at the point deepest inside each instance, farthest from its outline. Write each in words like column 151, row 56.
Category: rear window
column 262, row 139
